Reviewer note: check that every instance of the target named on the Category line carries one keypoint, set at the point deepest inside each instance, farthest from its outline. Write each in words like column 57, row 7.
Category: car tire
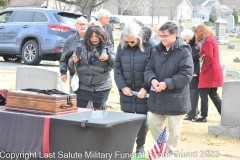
column 30, row 53
column 11, row 59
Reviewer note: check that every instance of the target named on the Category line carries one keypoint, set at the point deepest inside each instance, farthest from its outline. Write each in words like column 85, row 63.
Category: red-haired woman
column 211, row 76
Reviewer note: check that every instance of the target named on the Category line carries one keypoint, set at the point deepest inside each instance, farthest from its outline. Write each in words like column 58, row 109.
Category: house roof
column 26, row 3
column 210, row 3
column 197, row 2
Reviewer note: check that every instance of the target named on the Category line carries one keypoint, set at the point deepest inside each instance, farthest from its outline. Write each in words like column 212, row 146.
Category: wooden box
column 40, row 103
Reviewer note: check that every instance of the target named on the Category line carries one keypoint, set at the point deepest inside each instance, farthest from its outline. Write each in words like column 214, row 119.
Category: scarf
column 199, row 44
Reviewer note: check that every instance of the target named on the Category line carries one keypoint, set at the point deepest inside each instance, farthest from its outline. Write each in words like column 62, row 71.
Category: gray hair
column 187, row 33
column 134, row 30
column 103, row 13
column 94, row 23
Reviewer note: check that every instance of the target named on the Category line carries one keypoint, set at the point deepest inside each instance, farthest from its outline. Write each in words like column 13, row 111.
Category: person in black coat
column 169, row 71
column 132, row 55
column 70, row 46
column 187, row 35
column 93, row 68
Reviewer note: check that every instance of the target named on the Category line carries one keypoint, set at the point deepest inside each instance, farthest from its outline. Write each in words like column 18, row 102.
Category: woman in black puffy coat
column 187, row 35
column 133, row 54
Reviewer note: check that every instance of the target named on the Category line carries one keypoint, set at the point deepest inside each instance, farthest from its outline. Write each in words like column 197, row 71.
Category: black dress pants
column 212, row 92
column 194, row 96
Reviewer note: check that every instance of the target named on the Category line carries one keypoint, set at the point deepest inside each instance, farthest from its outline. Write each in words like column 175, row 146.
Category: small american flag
column 160, row 147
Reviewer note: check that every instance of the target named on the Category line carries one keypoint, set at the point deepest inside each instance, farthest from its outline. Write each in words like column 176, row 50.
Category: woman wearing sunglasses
column 93, row 68
column 132, row 56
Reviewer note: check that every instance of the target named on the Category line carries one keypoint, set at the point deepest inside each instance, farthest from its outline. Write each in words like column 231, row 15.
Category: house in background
column 184, row 10
column 205, row 11
column 206, row 7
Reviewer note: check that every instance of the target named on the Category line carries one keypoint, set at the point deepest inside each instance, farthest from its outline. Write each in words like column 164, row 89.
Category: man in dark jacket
column 169, row 71
column 70, row 46
column 104, row 18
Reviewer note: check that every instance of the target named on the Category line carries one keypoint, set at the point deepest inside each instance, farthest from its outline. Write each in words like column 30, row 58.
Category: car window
column 4, row 17
column 22, row 16
column 67, row 18
column 40, row 17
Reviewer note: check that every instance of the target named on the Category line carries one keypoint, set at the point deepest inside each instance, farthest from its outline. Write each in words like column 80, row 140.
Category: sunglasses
column 129, row 42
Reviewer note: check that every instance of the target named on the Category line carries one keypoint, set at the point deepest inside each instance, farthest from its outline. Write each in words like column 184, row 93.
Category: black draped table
column 70, row 136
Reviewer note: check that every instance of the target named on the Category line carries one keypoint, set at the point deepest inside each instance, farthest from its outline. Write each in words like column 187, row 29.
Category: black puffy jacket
column 129, row 69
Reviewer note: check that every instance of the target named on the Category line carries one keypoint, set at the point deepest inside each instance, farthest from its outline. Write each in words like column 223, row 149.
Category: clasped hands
column 158, row 86
column 141, row 94
column 103, row 57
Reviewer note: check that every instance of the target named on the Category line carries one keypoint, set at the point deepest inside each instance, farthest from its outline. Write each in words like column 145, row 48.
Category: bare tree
column 86, row 6
column 223, row 11
column 232, row 4
column 172, row 8
column 139, row 9
column 152, row 6
column 196, row 7
column 169, row 8
column 123, row 5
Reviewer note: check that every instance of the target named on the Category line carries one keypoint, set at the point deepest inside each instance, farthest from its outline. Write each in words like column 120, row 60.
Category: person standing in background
column 169, row 71
column 187, row 35
column 70, row 46
column 155, row 36
column 104, row 18
column 210, row 77
column 146, row 32
column 132, row 56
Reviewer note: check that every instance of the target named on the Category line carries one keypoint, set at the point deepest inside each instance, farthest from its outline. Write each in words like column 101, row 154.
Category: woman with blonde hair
column 210, row 77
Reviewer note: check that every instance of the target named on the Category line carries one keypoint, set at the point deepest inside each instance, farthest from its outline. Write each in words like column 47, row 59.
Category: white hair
column 95, row 23
column 134, row 30
column 103, row 13
column 187, row 33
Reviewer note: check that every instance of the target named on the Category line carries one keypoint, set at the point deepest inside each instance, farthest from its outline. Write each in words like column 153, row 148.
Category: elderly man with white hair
column 104, row 18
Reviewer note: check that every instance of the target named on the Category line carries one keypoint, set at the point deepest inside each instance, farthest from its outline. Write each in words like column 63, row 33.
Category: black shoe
column 189, row 118
column 140, row 151
column 203, row 119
